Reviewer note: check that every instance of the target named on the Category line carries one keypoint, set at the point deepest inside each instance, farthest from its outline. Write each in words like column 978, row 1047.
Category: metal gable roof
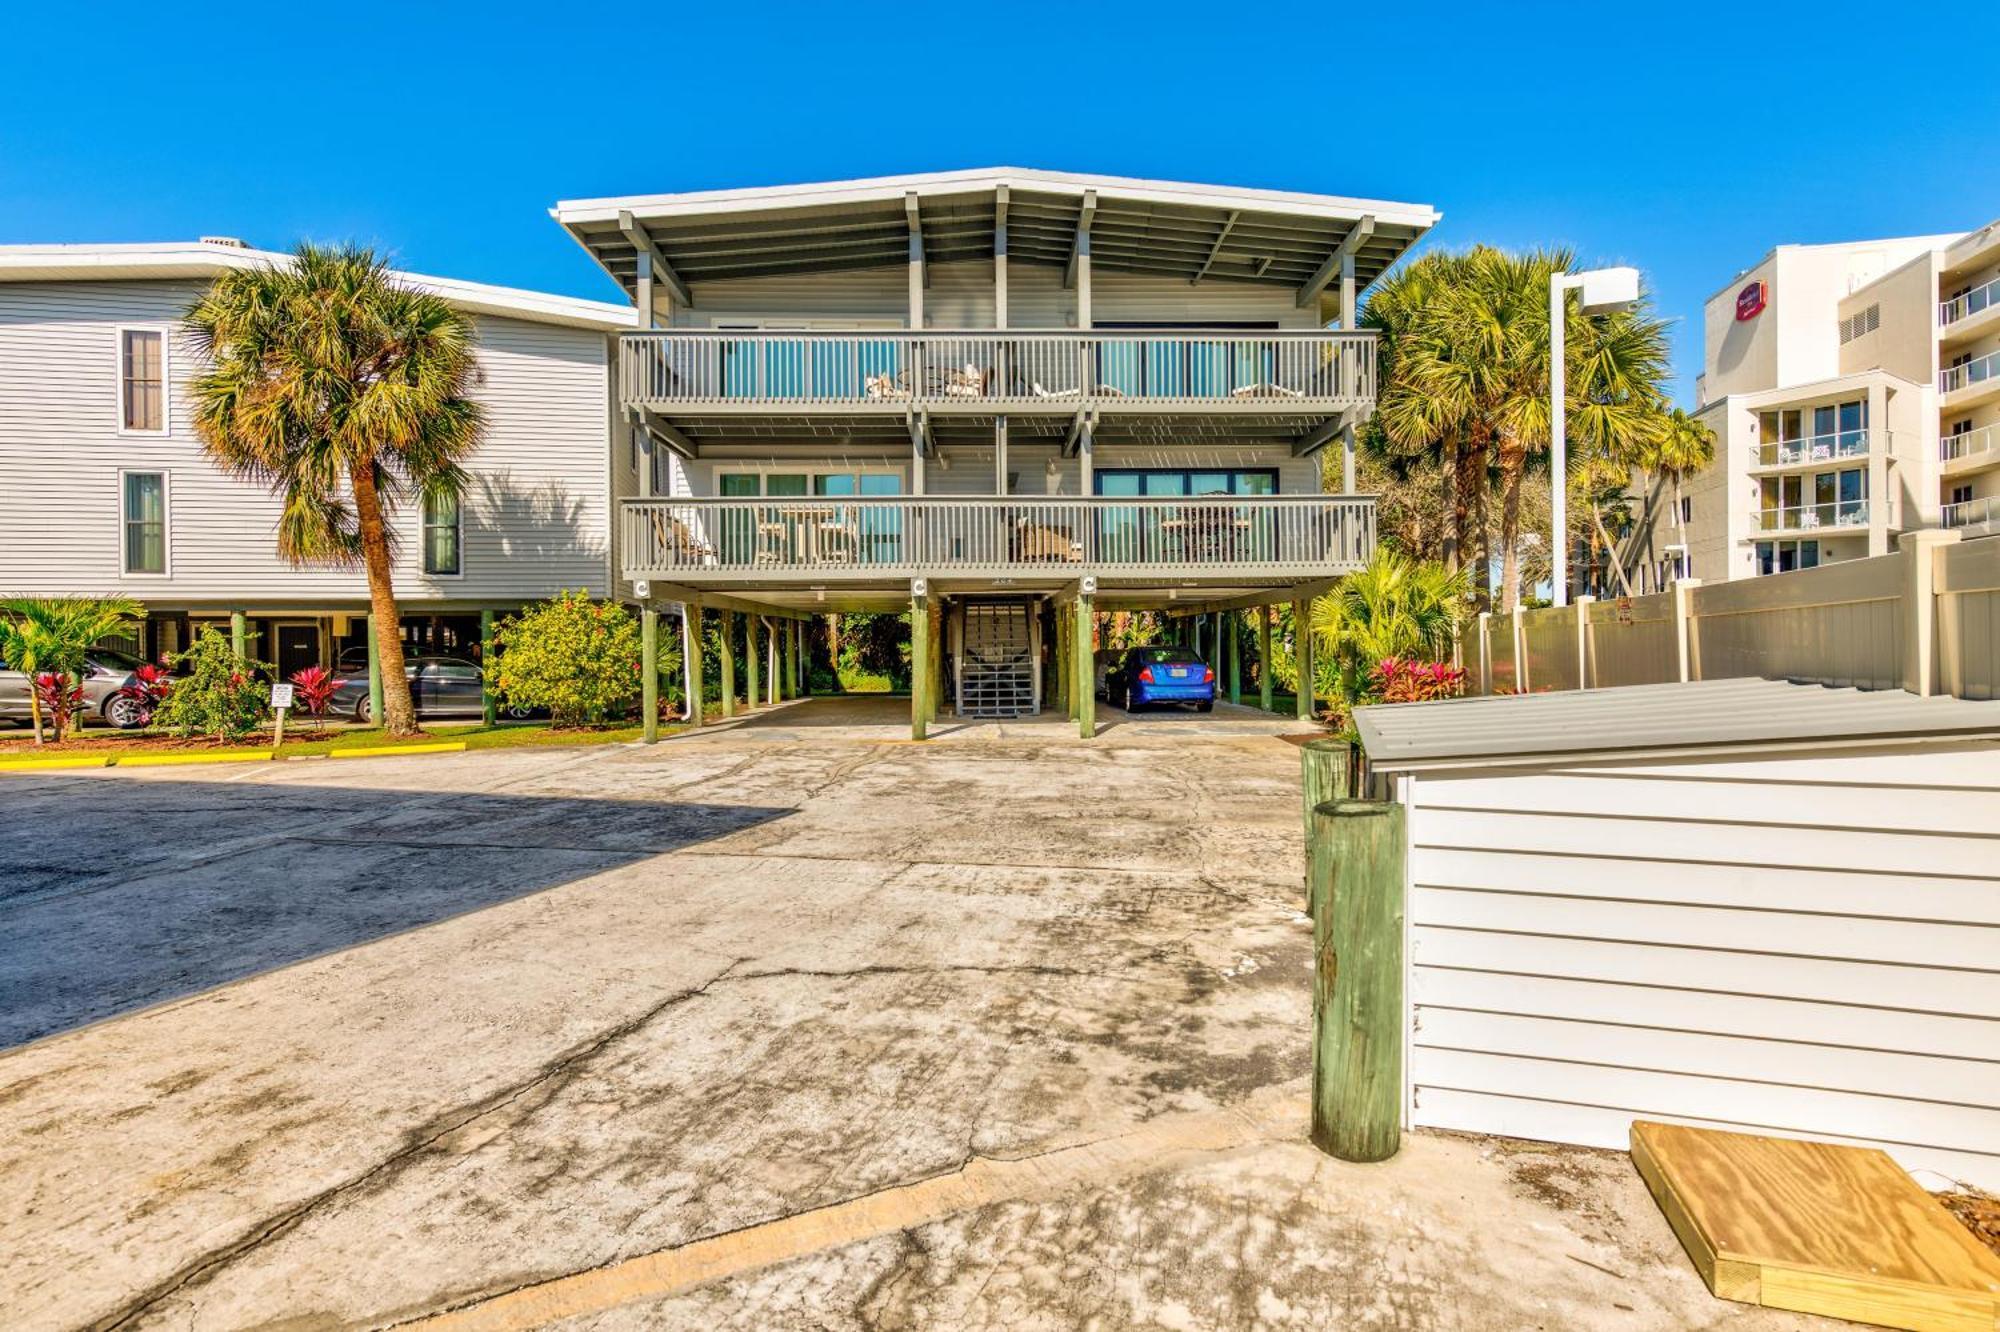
column 1654, row 718
column 1162, row 228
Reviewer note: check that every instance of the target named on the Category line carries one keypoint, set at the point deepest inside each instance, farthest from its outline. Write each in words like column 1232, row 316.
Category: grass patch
column 475, row 735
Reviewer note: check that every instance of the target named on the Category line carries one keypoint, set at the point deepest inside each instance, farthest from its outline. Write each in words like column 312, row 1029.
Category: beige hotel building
column 1854, row 392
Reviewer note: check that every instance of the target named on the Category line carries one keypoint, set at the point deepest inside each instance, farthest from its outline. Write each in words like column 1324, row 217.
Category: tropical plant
column 347, row 394
column 55, row 634
column 150, row 684
column 218, row 695
column 1392, row 609
column 1682, row 447
column 1399, row 680
column 1466, row 374
column 60, row 697
column 314, row 686
column 576, row 657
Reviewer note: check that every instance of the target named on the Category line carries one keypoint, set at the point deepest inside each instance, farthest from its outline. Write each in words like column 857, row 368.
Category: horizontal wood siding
column 1801, row 946
column 960, row 296
column 536, row 517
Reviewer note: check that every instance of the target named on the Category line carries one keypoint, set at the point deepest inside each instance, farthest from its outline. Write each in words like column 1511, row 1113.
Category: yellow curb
column 171, row 760
column 36, row 765
column 378, row 751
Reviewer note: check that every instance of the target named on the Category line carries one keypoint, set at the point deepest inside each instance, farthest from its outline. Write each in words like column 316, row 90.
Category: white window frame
column 815, row 469
column 166, row 333
column 424, row 543
column 166, row 569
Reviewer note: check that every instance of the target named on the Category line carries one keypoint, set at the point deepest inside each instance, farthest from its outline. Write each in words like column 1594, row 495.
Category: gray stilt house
column 1006, row 400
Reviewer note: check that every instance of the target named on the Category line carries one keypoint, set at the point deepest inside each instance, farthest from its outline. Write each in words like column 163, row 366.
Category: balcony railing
column 749, row 539
column 1812, row 448
column 1808, row 517
column 1969, row 444
column 1967, row 512
column 1973, row 302
column 1955, row 377
column 726, row 371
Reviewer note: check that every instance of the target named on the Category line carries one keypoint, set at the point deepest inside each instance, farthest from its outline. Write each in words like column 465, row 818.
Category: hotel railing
column 1276, row 535
column 1954, row 377
column 1967, row 512
column 725, row 370
column 1971, row 303
column 1807, row 517
column 1969, row 443
column 1811, row 449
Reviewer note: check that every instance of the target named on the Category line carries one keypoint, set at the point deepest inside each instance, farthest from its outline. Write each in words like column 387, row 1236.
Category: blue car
column 1149, row 675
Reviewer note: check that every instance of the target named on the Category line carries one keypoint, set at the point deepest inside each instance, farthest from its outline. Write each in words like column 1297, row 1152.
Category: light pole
column 1604, row 289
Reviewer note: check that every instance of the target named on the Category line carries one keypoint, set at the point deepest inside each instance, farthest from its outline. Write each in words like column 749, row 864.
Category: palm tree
column 1394, row 607
column 1683, row 446
column 345, row 393
column 54, row 634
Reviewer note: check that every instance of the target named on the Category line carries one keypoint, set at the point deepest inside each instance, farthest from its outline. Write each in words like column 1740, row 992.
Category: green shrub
column 219, row 696
column 576, row 657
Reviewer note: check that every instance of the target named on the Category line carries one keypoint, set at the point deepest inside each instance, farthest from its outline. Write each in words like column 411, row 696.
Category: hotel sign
column 1750, row 301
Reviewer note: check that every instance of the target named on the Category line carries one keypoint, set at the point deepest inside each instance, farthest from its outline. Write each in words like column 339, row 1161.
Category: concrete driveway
column 781, row 1025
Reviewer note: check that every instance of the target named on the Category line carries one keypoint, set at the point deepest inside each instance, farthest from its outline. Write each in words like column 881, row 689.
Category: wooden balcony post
column 649, row 674
column 728, row 663
column 1264, row 658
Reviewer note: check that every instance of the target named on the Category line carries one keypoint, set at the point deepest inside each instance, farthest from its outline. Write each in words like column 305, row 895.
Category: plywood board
column 1817, row 1228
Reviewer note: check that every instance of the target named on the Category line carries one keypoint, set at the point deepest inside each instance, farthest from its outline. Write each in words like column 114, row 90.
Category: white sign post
column 281, row 699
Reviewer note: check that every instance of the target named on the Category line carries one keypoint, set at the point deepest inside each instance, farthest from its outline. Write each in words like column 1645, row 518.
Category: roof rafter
column 1081, row 238
column 642, row 241
column 1349, row 245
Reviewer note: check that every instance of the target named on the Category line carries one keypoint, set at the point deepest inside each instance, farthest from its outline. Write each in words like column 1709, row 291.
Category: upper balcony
column 1973, row 382
column 1056, row 372
column 1835, row 514
column 1970, row 314
column 1970, row 450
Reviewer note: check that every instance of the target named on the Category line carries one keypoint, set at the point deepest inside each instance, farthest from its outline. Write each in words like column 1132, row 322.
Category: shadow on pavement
column 116, row 895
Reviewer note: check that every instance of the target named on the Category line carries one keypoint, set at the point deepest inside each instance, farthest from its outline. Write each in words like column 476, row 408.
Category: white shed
column 1743, row 903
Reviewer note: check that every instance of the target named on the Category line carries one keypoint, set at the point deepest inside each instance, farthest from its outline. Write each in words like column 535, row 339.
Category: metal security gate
column 996, row 667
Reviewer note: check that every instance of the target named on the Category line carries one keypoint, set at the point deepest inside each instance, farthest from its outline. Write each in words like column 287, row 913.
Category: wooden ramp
column 1816, row 1228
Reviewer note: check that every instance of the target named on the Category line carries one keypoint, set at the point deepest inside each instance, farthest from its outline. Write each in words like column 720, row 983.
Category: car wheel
column 124, row 712
column 1125, row 701
column 518, row 714
column 362, row 712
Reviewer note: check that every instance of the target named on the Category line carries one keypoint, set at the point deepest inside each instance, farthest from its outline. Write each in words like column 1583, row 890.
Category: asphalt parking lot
column 788, row 1024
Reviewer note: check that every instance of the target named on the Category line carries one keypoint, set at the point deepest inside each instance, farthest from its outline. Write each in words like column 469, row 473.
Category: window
column 145, row 522
column 1961, row 494
column 142, row 381
column 1687, row 508
column 441, row 545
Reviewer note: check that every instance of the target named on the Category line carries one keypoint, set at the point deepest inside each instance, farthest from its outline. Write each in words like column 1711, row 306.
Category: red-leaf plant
column 61, row 699
column 150, row 684
column 1402, row 681
column 314, row 686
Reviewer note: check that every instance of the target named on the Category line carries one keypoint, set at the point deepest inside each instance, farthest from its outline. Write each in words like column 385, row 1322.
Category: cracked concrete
column 423, row 1032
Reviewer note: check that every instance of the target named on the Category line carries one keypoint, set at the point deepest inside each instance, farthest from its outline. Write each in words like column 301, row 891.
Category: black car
column 439, row 687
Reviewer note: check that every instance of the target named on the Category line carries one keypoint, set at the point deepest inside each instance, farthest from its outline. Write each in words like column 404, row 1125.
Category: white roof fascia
column 1027, row 180
column 193, row 259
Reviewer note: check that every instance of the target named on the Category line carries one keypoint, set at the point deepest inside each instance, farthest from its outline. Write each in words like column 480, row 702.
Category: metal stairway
column 997, row 668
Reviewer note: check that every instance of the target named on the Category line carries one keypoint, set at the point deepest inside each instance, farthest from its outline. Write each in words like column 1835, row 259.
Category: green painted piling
column 1358, row 1017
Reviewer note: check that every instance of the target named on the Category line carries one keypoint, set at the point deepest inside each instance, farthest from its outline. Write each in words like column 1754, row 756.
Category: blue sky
column 1684, row 139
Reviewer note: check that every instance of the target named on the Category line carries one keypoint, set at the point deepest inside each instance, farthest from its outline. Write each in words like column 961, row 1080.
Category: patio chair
column 884, row 385
column 1037, row 543
column 1265, row 390
column 671, row 534
column 970, row 382
column 1041, row 392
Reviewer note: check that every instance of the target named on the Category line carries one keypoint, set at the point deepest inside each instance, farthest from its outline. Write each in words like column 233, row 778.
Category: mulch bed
column 1980, row 1213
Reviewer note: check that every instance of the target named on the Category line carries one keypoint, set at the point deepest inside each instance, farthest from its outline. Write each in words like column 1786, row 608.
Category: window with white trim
column 145, row 522
column 142, row 381
column 441, row 534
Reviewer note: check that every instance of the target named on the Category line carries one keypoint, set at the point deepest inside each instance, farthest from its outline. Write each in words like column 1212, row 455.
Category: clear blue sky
column 1686, row 139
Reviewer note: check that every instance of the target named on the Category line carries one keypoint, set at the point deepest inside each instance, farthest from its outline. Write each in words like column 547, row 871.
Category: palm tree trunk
column 1454, row 506
column 1513, row 465
column 1481, row 515
column 398, row 717
column 1617, row 566
column 35, row 707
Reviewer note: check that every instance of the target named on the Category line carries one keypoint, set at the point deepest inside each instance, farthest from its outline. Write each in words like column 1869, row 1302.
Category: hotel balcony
column 1834, row 514
column 1961, row 386
column 786, row 542
column 1972, row 451
column 1970, row 513
column 1055, row 372
column 1833, row 446
column 1969, row 315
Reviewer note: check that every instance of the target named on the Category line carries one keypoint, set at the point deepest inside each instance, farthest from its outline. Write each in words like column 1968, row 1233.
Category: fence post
column 1920, row 658
column 1323, row 771
column 1357, row 1073
column 1486, row 652
column 1520, row 635
column 1583, row 604
column 1685, row 644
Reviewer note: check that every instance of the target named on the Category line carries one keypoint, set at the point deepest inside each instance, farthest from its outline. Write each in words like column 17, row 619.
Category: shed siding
column 1800, row 946
column 535, row 518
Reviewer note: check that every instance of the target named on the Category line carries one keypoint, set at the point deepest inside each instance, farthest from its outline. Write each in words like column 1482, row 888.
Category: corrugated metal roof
column 1653, row 718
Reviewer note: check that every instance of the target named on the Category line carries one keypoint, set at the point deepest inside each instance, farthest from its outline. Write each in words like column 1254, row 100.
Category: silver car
column 106, row 673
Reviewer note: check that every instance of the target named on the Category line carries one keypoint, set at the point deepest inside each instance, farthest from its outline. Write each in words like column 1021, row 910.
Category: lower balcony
column 776, row 541
column 1853, row 513
column 1981, row 512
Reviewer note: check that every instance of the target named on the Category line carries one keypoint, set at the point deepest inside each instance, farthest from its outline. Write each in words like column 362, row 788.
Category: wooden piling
column 920, row 666
column 649, row 674
column 691, row 646
column 1264, row 658
column 1086, row 668
column 728, row 663
column 489, row 712
column 1323, row 775
column 1302, row 656
column 753, row 663
column 1358, row 1016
